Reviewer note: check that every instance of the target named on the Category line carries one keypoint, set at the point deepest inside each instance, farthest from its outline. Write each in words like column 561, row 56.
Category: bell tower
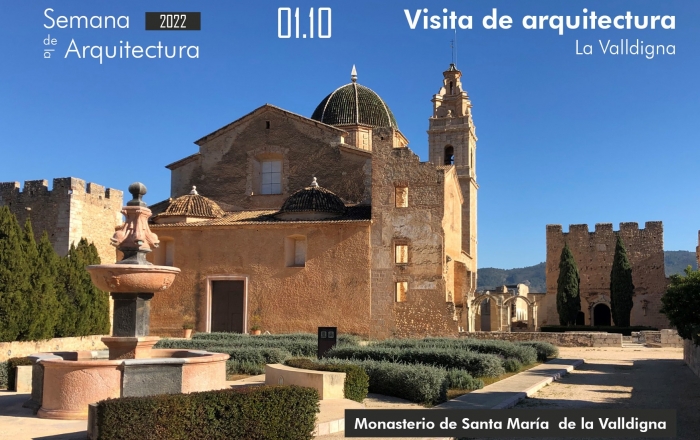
column 452, row 141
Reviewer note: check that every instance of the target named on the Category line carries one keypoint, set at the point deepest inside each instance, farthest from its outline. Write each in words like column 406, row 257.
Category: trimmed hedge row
column 461, row 380
column 626, row 331
column 476, row 364
column 11, row 371
column 343, row 339
column 505, row 349
column 356, row 379
column 295, row 347
column 545, row 350
column 422, row 384
column 285, row 413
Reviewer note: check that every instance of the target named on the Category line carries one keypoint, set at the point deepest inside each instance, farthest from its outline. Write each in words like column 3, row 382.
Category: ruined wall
column 425, row 310
column 332, row 289
column 226, row 170
column 70, row 211
column 569, row 339
column 594, row 252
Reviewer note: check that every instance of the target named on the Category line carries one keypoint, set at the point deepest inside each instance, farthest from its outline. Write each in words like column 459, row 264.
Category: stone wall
column 568, row 339
column 428, row 308
column 25, row 348
column 226, row 171
column 691, row 356
column 70, row 211
column 594, row 252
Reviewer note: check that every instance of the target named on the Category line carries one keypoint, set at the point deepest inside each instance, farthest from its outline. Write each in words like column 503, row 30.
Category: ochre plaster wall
column 333, row 289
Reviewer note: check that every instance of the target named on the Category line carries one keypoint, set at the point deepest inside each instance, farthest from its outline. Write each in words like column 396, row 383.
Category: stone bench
column 330, row 385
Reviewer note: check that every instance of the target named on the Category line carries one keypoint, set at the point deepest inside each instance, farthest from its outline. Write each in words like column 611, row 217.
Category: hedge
column 3, row 375
column 11, row 371
column 422, row 384
column 285, row 413
column 506, row 349
column 343, row 339
column 626, row 331
column 295, row 347
column 461, row 380
column 476, row 364
column 545, row 350
column 356, row 379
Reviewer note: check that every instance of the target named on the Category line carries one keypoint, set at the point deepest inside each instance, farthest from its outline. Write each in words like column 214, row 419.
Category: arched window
column 452, row 89
column 449, row 155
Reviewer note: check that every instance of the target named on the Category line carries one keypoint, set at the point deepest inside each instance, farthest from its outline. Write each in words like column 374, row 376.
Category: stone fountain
column 64, row 384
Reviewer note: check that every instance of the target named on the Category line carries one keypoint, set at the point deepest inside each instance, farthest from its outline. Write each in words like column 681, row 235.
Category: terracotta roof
column 313, row 199
column 356, row 213
column 193, row 205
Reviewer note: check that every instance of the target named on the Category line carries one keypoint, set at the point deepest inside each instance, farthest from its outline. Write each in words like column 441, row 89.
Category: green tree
column 14, row 278
column 681, row 304
column 86, row 308
column 621, row 286
column 568, row 294
column 44, row 307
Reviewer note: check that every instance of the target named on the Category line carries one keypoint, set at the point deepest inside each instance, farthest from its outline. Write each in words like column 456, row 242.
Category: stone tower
column 452, row 141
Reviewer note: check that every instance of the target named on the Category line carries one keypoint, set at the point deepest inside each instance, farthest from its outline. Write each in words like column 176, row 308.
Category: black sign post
column 327, row 338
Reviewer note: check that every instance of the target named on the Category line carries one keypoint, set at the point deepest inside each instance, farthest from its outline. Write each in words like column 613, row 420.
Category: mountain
column 677, row 261
column 534, row 276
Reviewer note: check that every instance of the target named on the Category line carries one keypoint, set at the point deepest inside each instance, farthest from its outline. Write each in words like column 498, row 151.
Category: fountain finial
column 137, row 190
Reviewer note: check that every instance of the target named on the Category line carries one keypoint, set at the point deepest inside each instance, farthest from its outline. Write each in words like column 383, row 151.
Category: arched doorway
column 580, row 318
column 601, row 315
column 486, row 315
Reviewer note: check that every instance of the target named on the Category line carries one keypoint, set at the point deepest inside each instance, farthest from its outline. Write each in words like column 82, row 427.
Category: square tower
column 452, row 142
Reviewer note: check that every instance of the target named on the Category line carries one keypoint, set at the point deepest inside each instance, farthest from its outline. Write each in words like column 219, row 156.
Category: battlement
column 72, row 209
column 626, row 228
column 62, row 187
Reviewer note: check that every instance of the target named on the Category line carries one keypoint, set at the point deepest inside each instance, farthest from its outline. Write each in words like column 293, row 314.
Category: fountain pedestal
column 72, row 381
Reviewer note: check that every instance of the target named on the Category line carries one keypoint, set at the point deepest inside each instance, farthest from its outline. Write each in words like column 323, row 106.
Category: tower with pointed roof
column 452, row 142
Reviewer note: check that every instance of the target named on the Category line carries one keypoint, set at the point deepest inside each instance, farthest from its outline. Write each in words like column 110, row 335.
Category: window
column 267, row 125
column 271, row 177
column 449, row 155
column 401, row 253
column 401, row 196
column 401, row 289
column 295, row 251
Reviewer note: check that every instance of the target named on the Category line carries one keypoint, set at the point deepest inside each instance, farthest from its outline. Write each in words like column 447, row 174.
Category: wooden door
column 227, row 306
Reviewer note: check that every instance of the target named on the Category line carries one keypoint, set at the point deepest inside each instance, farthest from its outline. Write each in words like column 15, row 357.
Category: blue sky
column 563, row 138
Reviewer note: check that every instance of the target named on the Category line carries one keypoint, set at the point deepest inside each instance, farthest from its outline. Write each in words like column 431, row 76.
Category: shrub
column 512, row 365
column 294, row 347
column 3, row 375
column 285, row 413
column 356, row 380
column 505, row 349
column 476, row 364
column 11, row 364
column 244, row 367
column 461, row 380
column 545, row 350
column 418, row 383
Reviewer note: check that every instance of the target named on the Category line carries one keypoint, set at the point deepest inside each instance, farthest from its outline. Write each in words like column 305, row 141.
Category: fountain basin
column 132, row 278
column 70, row 381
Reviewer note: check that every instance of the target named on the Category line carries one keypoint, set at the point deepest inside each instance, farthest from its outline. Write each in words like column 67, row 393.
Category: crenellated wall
column 71, row 210
column 594, row 252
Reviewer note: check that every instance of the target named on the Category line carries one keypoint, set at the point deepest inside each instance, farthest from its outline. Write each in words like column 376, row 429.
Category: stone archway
column 601, row 314
column 531, row 311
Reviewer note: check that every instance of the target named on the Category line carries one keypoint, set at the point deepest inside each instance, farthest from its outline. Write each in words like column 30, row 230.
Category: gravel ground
column 627, row 378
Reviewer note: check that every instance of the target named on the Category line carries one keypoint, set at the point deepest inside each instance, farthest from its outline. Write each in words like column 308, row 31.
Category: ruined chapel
column 288, row 223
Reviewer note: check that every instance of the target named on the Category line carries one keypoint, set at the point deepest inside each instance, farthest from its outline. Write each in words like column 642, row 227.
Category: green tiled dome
column 354, row 104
